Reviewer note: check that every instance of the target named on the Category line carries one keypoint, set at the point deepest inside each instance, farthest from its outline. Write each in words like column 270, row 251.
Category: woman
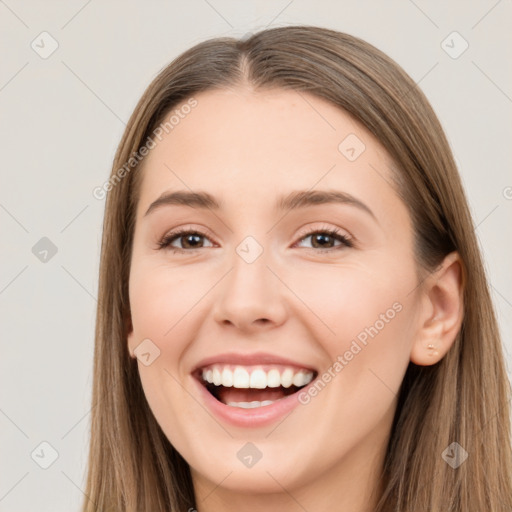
column 293, row 308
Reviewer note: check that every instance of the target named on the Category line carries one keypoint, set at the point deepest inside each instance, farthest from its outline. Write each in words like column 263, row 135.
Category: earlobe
column 442, row 312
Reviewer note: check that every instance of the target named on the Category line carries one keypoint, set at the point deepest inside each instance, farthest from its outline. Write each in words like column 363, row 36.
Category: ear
column 442, row 312
column 130, row 336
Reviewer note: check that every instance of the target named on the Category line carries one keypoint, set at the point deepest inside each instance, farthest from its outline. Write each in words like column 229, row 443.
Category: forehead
column 248, row 145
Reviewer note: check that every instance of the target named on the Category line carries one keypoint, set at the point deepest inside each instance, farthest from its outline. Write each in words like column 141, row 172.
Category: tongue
column 226, row 395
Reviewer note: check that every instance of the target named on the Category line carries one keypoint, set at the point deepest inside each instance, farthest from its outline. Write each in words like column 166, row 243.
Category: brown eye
column 189, row 240
column 322, row 240
column 325, row 239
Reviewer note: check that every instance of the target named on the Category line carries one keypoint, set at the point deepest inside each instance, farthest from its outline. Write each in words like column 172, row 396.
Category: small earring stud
column 433, row 349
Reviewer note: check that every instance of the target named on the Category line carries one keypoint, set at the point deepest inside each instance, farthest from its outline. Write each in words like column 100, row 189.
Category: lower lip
column 256, row 417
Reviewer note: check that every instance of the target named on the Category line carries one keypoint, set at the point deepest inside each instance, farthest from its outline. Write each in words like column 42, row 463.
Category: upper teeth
column 241, row 377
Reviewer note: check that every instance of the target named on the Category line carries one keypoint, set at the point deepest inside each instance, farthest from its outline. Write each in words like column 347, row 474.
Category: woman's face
column 262, row 296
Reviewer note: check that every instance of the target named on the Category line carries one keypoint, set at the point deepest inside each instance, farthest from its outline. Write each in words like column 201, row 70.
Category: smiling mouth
column 248, row 387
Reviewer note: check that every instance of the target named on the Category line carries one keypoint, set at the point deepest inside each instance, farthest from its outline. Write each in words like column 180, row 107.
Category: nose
column 250, row 297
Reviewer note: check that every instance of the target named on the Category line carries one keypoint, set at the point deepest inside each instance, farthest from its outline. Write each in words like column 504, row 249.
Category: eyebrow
column 294, row 200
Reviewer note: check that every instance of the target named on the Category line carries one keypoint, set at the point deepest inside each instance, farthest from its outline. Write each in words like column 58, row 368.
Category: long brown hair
column 464, row 398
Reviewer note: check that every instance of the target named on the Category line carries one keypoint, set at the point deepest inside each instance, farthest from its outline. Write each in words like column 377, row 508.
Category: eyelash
column 335, row 233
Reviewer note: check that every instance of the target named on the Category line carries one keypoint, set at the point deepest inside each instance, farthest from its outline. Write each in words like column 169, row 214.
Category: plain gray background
column 61, row 119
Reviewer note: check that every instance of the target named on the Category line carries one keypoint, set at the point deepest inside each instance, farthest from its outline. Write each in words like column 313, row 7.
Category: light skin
column 296, row 300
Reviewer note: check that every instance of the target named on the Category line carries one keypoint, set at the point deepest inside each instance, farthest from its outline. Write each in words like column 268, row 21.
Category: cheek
column 160, row 300
column 349, row 298
column 162, row 303
column 167, row 305
column 368, row 354
column 363, row 315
